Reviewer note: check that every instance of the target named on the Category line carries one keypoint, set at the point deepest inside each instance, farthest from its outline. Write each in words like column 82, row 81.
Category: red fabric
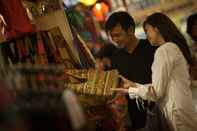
column 118, row 108
column 41, row 49
column 15, row 17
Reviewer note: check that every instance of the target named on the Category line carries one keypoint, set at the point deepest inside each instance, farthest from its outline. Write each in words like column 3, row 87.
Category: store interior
column 48, row 52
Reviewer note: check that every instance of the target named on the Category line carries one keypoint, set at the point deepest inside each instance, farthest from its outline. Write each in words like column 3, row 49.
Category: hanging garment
column 64, row 50
column 53, row 48
column 33, row 39
column 22, row 50
column 29, row 49
column 86, row 58
column 47, row 45
column 41, row 57
column 15, row 17
column 9, row 56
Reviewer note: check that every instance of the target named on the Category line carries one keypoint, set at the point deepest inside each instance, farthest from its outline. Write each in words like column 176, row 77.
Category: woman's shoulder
column 169, row 47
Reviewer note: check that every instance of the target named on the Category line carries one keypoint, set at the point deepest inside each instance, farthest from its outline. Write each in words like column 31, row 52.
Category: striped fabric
column 98, row 83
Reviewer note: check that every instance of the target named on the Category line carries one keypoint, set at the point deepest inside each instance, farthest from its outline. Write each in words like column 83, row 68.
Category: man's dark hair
column 190, row 22
column 123, row 18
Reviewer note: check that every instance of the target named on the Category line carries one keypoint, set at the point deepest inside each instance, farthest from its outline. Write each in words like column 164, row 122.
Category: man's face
column 120, row 36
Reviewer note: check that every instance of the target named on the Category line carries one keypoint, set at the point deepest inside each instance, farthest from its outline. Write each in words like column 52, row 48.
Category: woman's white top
column 171, row 82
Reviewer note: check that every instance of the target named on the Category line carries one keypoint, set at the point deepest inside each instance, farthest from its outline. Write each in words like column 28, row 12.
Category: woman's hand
column 125, row 86
column 121, row 90
column 99, row 65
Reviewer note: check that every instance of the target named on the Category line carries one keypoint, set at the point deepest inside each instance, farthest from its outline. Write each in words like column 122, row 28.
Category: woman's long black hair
column 169, row 32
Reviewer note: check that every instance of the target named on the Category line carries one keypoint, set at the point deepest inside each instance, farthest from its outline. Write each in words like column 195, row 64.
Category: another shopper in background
column 192, row 27
column 170, row 86
column 133, row 58
column 192, row 31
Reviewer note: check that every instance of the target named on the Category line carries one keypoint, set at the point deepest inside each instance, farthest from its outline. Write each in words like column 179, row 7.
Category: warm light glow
column 69, row 3
column 88, row 2
column 98, row 6
column 100, row 11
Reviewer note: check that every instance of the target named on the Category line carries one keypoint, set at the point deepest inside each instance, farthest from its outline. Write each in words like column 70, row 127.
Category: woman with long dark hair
column 170, row 86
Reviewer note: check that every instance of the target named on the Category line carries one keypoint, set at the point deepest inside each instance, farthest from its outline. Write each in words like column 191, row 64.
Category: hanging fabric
column 41, row 57
column 64, row 50
column 33, row 40
column 85, row 55
column 15, row 17
column 28, row 47
column 49, row 50
column 21, row 50
column 8, row 56
column 53, row 48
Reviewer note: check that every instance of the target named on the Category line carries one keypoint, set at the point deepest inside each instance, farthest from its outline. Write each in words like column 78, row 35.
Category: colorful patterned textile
column 63, row 48
column 44, row 47
column 111, row 115
column 118, row 108
column 94, row 82
column 41, row 52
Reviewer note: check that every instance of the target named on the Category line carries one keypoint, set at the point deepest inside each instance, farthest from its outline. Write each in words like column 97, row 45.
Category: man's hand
column 127, row 83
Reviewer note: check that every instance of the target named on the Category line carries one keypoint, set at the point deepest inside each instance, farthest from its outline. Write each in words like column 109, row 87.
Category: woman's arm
column 161, row 72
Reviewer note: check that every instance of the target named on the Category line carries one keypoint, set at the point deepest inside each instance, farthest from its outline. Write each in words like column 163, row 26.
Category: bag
column 156, row 121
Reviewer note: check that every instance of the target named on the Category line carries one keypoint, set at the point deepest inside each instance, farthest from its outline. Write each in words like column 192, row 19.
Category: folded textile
column 97, row 83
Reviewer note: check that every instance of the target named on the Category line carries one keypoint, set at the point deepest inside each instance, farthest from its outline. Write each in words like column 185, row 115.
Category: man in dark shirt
column 133, row 59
